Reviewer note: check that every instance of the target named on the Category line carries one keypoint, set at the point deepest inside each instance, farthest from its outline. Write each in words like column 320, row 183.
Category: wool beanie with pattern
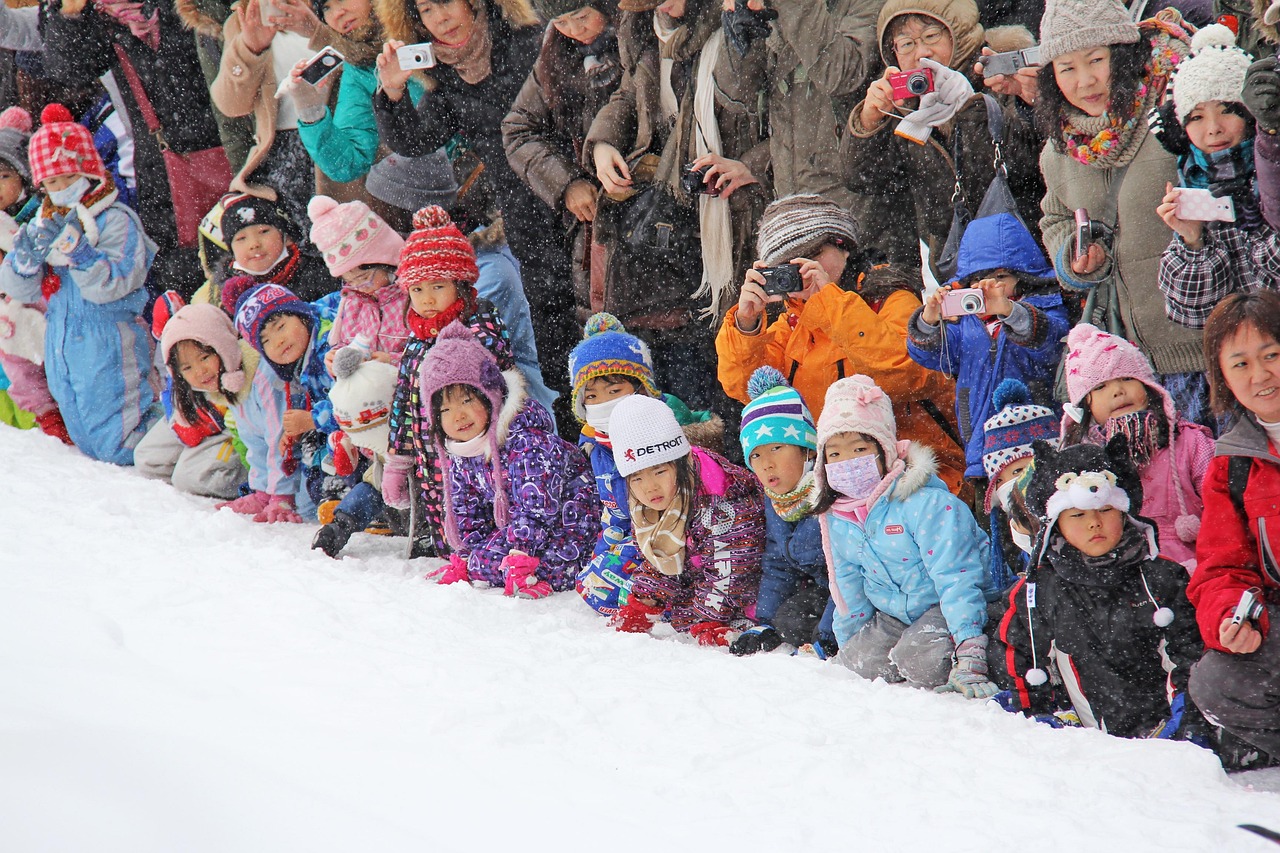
column 63, row 147
column 1009, row 433
column 351, row 235
column 644, row 432
column 208, row 325
column 241, row 211
column 1214, row 72
column 775, row 415
column 797, row 226
column 15, row 136
column 436, row 250
column 255, row 307
column 1094, row 357
column 857, row 404
column 361, row 397
column 608, row 350
column 1070, row 25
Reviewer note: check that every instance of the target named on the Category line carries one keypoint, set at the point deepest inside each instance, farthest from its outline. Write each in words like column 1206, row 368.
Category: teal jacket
column 344, row 144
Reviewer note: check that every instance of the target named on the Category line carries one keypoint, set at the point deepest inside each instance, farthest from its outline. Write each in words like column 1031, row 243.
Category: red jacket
column 1227, row 552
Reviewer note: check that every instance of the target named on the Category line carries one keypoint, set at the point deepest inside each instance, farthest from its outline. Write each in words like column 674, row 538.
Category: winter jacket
column 724, row 545
column 1266, row 159
column 550, row 492
column 500, row 284
column 793, row 561
column 1230, row 259
column 97, row 350
column 1099, row 636
column 215, row 411
column 837, row 334
column 378, row 316
column 1232, row 536
column 918, row 548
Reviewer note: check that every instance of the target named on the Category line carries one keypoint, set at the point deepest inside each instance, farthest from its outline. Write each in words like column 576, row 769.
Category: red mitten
column 250, row 504
column 712, row 634
column 278, row 508
column 345, row 454
column 454, row 571
column 636, row 617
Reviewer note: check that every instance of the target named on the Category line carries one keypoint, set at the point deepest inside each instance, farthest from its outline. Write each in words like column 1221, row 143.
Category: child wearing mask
column 908, row 562
column 264, row 245
column 698, row 522
column 1112, row 390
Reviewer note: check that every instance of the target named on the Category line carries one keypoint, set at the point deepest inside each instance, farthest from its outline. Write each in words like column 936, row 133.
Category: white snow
column 175, row 679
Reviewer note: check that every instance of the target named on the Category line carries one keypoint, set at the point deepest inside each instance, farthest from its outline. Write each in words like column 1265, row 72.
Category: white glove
column 951, row 91
column 310, row 101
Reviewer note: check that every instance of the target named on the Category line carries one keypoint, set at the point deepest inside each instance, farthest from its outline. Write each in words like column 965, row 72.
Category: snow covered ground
column 175, row 679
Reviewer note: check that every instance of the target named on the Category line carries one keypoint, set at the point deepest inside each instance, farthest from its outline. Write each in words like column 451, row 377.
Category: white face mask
column 1022, row 540
column 598, row 414
column 1004, row 492
column 68, row 196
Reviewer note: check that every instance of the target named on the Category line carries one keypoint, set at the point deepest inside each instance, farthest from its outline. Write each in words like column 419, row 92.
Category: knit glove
column 969, row 672
column 45, row 233
column 520, row 571
column 454, row 571
column 951, row 91
column 713, row 634
column 71, row 243
column 1261, row 94
column 636, row 617
column 761, row 638
column 395, row 481
column 279, row 508
column 1165, row 127
column 250, row 504
column 24, row 258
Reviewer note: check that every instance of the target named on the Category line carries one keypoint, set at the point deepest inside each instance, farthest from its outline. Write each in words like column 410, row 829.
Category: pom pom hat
column 775, row 415
column 208, row 325
column 1095, row 357
column 607, row 350
column 436, row 250
column 645, row 433
column 351, row 235
column 361, row 397
column 63, row 147
column 255, row 307
column 857, row 404
column 1214, row 72
column 1008, row 433
column 15, row 135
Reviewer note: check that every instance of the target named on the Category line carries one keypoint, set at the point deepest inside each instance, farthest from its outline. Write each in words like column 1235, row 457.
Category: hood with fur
column 400, row 17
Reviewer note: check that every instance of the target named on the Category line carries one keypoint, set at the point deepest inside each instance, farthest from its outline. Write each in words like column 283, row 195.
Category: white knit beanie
column 1070, row 25
column 644, row 433
column 1214, row 71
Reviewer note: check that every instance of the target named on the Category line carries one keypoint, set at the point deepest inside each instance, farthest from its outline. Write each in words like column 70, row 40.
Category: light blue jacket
column 919, row 547
column 500, row 283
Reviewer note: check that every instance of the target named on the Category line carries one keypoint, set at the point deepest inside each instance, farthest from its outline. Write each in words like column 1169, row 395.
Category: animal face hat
column 607, row 350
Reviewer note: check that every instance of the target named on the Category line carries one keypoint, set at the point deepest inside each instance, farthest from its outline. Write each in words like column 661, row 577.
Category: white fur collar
column 921, row 466
column 517, row 394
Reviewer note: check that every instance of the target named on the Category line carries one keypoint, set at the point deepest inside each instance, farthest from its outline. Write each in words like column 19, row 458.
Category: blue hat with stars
column 775, row 415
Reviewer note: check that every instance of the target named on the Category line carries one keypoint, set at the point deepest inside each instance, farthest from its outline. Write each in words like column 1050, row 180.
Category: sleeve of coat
column 240, row 73
column 730, row 573
column 847, row 577
column 1193, row 281
column 739, row 354
column 538, row 474
column 835, row 49
column 740, row 90
column 1266, row 155
column 1057, row 227
column 777, row 580
column 410, row 131
column 344, row 142
column 399, row 442
column 1183, row 645
column 954, row 553
column 77, row 50
column 615, row 123
column 117, row 265
column 1014, row 646
column 20, row 29
column 526, row 133
column 1037, row 354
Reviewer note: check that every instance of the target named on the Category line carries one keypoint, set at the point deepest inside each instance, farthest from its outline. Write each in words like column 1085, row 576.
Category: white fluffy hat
column 1214, row 71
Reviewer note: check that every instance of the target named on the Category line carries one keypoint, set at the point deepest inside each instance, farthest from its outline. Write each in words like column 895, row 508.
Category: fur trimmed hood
column 400, row 18
column 921, row 466
column 202, row 16
column 709, row 435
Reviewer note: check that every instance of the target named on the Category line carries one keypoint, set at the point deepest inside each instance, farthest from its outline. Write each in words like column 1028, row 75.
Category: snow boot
column 333, row 537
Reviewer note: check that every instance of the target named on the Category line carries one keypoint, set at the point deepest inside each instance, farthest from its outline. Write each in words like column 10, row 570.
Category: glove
column 310, row 100
column 24, row 259
column 520, row 571
column 1164, row 124
column 279, row 508
column 636, row 617
column 395, row 482
column 761, row 638
column 46, row 231
column 1261, row 94
column 713, row 634
column 951, row 91
column 743, row 26
column 250, row 504
column 71, row 243
column 969, row 672
column 454, row 571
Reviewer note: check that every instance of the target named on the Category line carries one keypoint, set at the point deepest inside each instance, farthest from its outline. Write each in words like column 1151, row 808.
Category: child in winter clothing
column 606, row 367
column 520, row 503
column 362, row 251
column 908, row 562
column 1099, row 606
column 287, row 415
column 1018, row 335
column 215, row 255
column 1112, row 389
column 779, row 443
column 197, row 448
column 1207, row 125
column 698, row 521
column 88, row 256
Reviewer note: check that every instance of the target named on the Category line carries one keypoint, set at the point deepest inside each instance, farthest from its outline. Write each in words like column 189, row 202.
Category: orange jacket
column 837, row 334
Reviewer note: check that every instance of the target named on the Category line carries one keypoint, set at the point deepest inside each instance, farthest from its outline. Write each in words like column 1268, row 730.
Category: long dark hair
column 1128, row 66
column 1260, row 309
column 187, row 401
column 687, row 480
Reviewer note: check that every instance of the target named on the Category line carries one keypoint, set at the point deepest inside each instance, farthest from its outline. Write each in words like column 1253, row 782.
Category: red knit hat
column 63, row 147
column 436, row 250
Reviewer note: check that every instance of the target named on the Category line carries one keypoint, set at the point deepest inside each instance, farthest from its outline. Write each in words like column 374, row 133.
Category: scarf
column 1105, row 141
column 797, row 503
column 1106, row 571
column 1147, row 432
column 129, row 13
column 666, row 33
column 1199, row 168
column 660, row 534
column 713, row 211
column 426, row 328
column 473, row 59
column 284, row 270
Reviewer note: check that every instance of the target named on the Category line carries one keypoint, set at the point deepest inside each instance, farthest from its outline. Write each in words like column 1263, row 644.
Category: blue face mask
column 854, row 478
column 68, row 196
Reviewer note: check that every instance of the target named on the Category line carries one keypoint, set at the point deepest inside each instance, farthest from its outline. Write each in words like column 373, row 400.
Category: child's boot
column 333, row 537
column 522, row 578
column 51, row 424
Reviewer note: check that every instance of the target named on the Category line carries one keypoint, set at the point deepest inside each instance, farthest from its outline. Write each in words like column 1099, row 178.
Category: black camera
column 693, row 181
column 782, row 279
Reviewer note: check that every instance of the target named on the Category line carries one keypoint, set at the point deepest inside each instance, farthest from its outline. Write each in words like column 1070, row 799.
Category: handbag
column 197, row 180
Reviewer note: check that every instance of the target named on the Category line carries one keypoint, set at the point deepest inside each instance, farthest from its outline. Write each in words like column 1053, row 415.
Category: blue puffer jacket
column 919, row 547
column 792, row 557
column 968, row 352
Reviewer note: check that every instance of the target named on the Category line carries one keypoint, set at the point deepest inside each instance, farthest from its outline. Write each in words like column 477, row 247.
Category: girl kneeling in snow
column 521, row 510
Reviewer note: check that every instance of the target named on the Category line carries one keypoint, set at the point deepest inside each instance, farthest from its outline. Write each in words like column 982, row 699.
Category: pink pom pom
column 319, row 206
column 233, row 381
column 1187, row 528
column 16, row 118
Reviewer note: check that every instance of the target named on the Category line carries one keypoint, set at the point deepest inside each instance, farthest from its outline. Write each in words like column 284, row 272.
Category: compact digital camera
column 416, row 56
column 694, row 181
column 1009, row 62
column 911, row 84
column 965, row 300
column 782, row 279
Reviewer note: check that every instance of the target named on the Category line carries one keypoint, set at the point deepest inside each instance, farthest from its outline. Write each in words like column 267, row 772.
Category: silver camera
column 1250, row 607
column 416, row 56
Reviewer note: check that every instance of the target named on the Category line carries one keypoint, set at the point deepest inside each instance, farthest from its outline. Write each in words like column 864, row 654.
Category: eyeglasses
column 907, row 46
column 359, row 277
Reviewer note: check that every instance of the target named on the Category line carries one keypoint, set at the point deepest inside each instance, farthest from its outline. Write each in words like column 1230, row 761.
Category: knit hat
column 361, row 397
column 549, row 10
column 607, row 350
column 1095, row 357
column 63, row 147
column 255, row 307
column 208, row 325
column 351, row 235
column 436, row 250
column 1008, row 433
column 775, row 415
column 412, row 183
column 797, row 226
column 458, row 358
column 1070, row 25
column 857, row 404
column 645, row 433
column 241, row 211
column 1213, row 72
column 15, row 135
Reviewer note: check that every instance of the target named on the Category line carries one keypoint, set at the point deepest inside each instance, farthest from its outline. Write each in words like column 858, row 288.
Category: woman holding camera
column 1237, row 682
column 835, row 323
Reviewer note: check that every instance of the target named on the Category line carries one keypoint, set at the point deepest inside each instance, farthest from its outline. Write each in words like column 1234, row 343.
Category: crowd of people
column 507, row 281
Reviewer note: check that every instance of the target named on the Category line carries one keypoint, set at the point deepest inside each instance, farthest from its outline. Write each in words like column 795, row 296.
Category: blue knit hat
column 607, row 350
column 1011, row 430
column 255, row 307
column 775, row 415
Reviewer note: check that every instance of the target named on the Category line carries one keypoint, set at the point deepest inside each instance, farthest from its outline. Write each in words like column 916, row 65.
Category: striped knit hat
column 1011, row 430
column 775, row 415
column 436, row 251
column 797, row 226
column 607, row 350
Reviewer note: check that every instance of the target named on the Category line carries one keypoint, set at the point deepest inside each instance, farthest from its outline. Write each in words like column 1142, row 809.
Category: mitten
column 395, row 481
column 743, row 26
column 761, row 638
column 520, row 571
column 279, row 508
column 52, row 424
column 44, row 233
column 969, row 672
column 1261, row 94
column 71, row 243
column 454, row 571
column 250, row 504
column 23, row 258
column 1243, row 200
column 712, row 633
column 951, row 87
column 636, row 617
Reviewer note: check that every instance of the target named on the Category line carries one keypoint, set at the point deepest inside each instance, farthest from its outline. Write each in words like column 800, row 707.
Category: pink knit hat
column 63, row 147
column 351, row 235
column 1095, row 357
column 857, row 404
column 209, row 325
